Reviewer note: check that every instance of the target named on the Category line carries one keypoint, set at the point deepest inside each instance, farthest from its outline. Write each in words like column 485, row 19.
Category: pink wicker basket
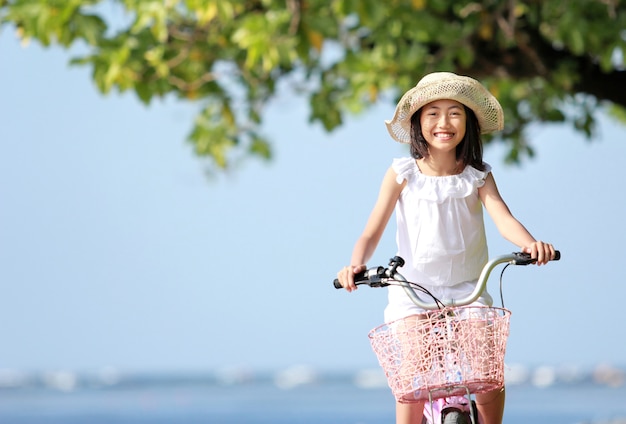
column 443, row 351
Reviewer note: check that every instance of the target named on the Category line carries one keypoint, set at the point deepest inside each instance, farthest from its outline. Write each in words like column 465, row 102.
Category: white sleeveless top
column 440, row 228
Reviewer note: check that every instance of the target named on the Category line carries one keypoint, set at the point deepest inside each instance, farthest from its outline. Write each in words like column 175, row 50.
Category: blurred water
column 258, row 402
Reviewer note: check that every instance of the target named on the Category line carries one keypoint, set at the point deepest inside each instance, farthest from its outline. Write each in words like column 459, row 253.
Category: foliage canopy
column 546, row 61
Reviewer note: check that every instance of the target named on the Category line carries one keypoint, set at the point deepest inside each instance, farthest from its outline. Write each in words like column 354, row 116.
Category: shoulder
column 476, row 176
column 393, row 181
column 404, row 168
column 390, row 190
column 488, row 189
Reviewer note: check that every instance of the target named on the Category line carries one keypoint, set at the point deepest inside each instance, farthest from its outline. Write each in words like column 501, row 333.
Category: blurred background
column 122, row 257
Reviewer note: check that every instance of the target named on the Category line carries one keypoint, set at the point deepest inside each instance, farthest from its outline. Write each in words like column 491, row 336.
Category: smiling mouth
column 444, row 136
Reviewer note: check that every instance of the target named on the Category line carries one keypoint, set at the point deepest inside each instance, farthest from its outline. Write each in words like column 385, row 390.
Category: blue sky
column 117, row 250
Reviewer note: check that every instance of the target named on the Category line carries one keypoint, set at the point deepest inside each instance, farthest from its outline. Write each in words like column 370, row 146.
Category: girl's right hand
column 346, row 276
column 543, row 252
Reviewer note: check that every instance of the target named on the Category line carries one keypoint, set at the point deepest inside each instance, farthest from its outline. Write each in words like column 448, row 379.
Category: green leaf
column 618, row 112
column 260, row 147
column 90, row 28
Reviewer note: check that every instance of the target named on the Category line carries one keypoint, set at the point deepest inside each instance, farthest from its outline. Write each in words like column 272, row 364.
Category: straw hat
column 446, row 85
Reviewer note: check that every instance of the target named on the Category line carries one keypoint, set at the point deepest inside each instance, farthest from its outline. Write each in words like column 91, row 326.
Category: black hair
column 470, row 149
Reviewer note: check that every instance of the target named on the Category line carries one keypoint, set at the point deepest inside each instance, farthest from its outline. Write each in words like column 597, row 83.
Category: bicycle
column 450, row 352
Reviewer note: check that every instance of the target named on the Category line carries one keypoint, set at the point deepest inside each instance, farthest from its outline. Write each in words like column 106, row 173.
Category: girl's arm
column 366, row 244
column 510, row 228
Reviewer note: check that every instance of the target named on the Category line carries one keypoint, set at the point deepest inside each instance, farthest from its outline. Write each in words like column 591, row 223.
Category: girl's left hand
column 543, row 252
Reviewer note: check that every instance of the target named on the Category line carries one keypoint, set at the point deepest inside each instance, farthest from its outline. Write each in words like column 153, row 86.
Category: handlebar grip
column 522, row 258
column 361, row 276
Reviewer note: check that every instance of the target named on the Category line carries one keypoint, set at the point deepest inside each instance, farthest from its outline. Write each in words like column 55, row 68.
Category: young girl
column 438, row 195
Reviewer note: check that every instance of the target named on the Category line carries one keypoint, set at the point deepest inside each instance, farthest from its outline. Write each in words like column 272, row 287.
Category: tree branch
column 186, row 86
column 294, row 7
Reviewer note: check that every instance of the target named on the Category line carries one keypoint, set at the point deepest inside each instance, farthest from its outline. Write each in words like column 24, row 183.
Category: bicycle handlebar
column 383, row 277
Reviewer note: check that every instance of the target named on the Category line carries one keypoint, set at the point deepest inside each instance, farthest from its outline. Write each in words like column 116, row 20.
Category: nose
column 444, row 120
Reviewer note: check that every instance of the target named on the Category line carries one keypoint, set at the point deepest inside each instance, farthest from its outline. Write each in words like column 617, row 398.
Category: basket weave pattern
column 443, row 352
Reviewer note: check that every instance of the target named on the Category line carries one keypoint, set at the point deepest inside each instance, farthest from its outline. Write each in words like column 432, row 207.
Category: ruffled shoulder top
column 439, row 188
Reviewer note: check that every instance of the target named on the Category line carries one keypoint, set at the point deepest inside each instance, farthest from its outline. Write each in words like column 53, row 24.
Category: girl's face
column 443, row 124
